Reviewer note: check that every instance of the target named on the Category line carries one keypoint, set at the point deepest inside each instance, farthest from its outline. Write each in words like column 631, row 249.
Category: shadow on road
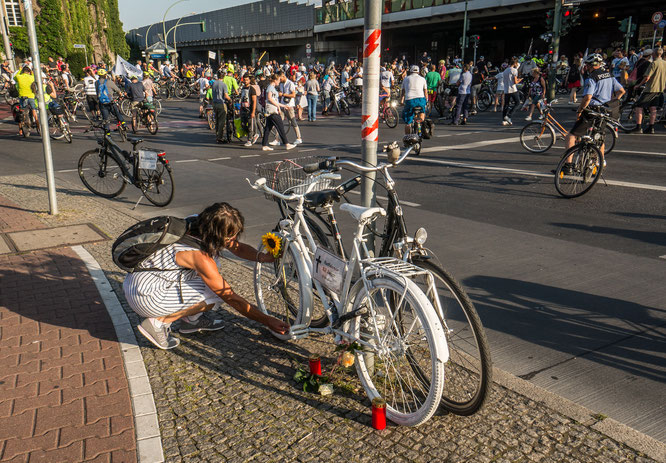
column 656, row 237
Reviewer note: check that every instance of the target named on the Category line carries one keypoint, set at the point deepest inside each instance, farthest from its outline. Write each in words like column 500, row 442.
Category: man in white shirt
column 287, row 94
column 510, row 76
column 413, row 94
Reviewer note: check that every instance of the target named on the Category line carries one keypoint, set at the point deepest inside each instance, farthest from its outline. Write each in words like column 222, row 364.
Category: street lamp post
column 164, row 18
column 147, row 36
column 174, row 29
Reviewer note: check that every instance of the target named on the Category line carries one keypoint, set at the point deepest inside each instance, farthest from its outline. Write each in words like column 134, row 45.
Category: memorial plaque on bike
column 329, row 270
column 147, row 160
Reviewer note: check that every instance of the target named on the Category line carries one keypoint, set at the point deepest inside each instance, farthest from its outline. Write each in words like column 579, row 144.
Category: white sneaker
column 508, row 119
column 289, row 146
column 298, row 141
column 540, row 117
column 274, row 143
column 255, row 138
column 505, row 123
column 266, row 148
column 528, row 118
column 247, row 143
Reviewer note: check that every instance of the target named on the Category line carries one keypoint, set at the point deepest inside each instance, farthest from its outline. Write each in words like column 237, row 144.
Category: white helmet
column 594, row 58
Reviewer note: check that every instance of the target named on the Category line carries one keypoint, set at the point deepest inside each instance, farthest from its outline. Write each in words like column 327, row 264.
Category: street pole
column 464, row 37
column 5, row 38
column 164, row 19
column 43, row 120
column 372, row 31
column 476, row 43
column 557, row 24
column 627, row 36
column 147, row 36
column 654, row 36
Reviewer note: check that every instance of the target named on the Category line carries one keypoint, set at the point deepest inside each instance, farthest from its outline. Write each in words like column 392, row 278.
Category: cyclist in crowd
column 511, row 79
column 24, row 83
column 413, row 94
column 385, row 83
column 230, row 81
column 253, row 93
column 106, row 91
column 652, row 96
column 537, row 92
column 220, row 100
column 433, row 78
column 464, row 92
column 600, row 89
column 90, row 89
column 148, row 86
column 273, row 119
column 287, row 94
column 135, row 91
column 202, row 83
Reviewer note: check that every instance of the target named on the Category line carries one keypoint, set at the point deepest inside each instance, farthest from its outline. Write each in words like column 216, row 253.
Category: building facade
column 334, row 31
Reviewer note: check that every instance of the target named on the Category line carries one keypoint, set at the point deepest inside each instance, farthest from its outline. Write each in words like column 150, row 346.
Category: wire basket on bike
column 287, row 176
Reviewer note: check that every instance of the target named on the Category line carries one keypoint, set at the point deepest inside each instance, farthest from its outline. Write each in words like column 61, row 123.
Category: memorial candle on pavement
column 315, row 365
column 378, row 413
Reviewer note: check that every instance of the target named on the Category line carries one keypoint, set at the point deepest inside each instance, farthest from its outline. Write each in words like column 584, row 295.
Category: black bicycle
column 469, row 368
column 106, row 170
column 144, row 114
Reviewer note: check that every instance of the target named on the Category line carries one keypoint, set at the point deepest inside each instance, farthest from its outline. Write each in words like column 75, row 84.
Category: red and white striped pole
column 372, row 32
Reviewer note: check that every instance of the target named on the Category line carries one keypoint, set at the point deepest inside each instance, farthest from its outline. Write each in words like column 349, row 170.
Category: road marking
column 640, row 186
column 384, row 198
column 458, row 133
column 220, row 159
column 476, row 144
column 616, row 150
column 250, row 156
column 663, row 257
column 305, row 151
column 69, row 170
column 186, row 160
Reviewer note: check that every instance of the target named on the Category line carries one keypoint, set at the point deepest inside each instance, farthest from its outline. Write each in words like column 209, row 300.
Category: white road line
column 186, row 160
column 663, row 257
column 616, row 150
column 458, row 133
column 250, row 156
column 640, row 186
column 69, row 170
column 384, row 198
column 476, row 144
column 219, row 159
column 305, row 151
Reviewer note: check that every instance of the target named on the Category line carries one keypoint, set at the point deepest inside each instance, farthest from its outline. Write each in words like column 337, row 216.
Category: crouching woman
column 187, row 282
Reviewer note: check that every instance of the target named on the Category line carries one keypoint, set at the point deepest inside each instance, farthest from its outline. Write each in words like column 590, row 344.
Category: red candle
column 315, row 366
column 378, row 413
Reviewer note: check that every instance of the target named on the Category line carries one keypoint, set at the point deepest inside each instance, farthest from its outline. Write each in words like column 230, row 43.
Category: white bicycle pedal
column 299, row 331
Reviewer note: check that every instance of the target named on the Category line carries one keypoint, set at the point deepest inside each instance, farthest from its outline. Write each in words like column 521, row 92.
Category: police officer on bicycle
column 600, row 88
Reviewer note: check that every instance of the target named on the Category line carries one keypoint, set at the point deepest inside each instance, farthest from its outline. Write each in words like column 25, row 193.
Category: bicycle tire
column 93, row 165
column 67, row 131
column 55, row 129
column 610, row 137
column 182, row 93
column 417, row 149
column 278, row 297
column 537, row 137
column 345, row 108
column 210, row 117
column 628, row 117
column 125, row 108
column 586, row 173
column 158, row 106
column 484, row 100
column 391, row 117
column 382, row 376
column 151, row 123
column 157, row 185
column 469, row 369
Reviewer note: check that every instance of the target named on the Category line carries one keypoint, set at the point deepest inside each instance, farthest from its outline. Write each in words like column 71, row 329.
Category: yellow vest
column 24, row 83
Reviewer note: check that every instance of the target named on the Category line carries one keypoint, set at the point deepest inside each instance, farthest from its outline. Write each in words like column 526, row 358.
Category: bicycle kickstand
column 138, row 201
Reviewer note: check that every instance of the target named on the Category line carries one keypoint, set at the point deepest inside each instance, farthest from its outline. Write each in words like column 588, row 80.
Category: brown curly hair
column 216, row 224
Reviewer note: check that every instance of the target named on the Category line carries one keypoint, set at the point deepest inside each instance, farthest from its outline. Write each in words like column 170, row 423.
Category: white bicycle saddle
column 362, row 213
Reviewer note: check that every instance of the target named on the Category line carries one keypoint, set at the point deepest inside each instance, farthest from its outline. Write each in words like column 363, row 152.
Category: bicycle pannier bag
column 145, row 238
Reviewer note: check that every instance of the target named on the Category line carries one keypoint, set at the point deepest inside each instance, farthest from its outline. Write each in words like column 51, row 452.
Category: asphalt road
column 571, row 292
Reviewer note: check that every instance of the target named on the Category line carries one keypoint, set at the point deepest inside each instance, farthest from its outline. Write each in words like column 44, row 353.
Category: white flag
column 123, row 68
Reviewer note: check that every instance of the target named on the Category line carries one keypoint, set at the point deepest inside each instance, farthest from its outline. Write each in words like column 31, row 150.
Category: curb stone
column 148, row 440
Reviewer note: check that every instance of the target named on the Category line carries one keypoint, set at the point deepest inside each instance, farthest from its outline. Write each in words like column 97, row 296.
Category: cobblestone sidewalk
column 230, row 396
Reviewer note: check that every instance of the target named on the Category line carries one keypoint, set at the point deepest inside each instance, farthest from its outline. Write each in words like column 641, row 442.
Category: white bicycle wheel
column 407, row 369
column 280, row 288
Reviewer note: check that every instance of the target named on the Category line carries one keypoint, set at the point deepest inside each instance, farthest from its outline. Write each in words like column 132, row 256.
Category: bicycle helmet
column 101, row 72
column 594, row 58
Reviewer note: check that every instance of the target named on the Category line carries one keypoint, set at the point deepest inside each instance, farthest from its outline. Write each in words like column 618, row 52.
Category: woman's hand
column 276, row 325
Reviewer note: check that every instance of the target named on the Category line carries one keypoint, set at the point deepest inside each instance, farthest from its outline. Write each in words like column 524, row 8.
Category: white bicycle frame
column 338, row 307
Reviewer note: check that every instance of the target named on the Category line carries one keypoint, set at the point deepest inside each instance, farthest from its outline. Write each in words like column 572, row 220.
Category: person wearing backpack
column 106, row 90
column 181, row 281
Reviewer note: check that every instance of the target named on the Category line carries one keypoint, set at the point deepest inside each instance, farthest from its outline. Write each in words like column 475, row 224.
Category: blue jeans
column 312, row 107
column 463, row 106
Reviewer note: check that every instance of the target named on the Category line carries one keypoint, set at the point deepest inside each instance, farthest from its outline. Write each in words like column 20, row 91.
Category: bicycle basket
column 287, row 176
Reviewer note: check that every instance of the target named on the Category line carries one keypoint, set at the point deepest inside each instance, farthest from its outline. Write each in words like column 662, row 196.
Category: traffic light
column 475, row 39
column 203, row 26
column 460, row 42
column 550, row 18
column 624, row 25
column 566, row 22
column 575, row 17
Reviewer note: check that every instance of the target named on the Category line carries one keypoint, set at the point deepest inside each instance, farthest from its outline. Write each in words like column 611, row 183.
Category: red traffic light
column 550, row 52
column 567, row 13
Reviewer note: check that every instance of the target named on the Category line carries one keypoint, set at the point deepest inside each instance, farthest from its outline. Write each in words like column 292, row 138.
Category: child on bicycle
column 188, row 282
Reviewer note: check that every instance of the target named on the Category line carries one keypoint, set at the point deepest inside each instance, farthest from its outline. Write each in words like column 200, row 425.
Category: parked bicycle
column 469, row 368
column 372, row 302
column 106, row 170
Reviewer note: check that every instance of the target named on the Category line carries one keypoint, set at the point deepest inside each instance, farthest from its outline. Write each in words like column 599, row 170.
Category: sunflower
column 272, row 243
